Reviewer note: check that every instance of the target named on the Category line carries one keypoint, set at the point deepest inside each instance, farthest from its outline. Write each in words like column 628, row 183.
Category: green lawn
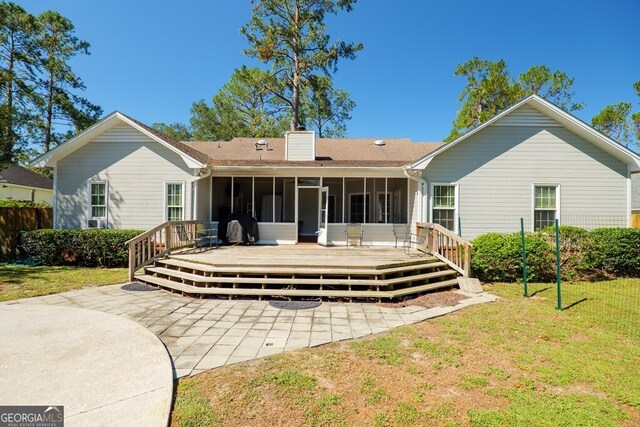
column 515, row 362
column 24, row 282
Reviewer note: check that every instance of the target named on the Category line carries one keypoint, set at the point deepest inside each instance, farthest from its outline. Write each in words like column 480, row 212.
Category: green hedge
column 89, row 248
column 12, row 203
column 586, row 255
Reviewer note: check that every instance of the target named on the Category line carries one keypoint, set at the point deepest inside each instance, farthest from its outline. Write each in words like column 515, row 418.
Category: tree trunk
column 6, row 155
column 49, row 119
column 295, row 101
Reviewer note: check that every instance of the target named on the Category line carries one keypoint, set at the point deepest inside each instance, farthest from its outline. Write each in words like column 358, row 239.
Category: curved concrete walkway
column 106, row 370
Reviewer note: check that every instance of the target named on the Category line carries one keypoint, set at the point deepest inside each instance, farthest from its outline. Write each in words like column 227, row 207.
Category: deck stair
column 373, row 277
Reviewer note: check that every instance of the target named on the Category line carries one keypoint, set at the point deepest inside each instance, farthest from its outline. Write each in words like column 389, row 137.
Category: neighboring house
column 533, row 161
column 20, row 183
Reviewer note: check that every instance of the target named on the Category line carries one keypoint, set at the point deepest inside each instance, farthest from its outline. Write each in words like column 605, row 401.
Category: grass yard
column 24, row 282
column 515, row 362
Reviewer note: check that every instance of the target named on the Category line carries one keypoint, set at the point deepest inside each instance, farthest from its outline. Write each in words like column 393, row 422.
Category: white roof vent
column 378, row 142
column 262, row 143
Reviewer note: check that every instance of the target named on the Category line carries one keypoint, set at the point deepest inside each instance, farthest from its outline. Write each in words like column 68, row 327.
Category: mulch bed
column 430, row 300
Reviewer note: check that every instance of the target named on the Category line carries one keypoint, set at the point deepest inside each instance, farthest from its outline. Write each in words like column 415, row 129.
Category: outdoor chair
column 401, row 233
column 207, row 237
column 414, row 240
column 354, row 234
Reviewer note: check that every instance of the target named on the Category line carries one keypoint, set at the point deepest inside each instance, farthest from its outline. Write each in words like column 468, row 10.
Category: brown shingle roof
column 330, row 152
column 22, row 176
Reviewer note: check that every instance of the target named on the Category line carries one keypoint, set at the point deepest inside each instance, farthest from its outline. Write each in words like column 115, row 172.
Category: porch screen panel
column 378, row 208
column 398, row 193
column 336, row 198
column 285, row 199
column 356, row 200
column 243, row 195
column 264, row 199
column 220, row 197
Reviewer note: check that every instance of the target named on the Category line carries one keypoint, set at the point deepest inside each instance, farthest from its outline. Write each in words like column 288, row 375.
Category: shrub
column 614, row 252
column 12, row 203
column 90, row 248
column 498, row 257
column 604, row 252
column 575, row 242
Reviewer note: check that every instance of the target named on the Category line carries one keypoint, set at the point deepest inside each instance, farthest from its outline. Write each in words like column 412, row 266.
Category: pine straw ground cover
column 514, row 362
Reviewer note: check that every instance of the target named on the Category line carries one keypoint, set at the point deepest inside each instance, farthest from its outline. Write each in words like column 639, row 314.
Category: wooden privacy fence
column 635, row 218
column 445, row 245
column 15, row 220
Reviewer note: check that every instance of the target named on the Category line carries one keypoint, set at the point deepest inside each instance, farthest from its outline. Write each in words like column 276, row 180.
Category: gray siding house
column 533, row 161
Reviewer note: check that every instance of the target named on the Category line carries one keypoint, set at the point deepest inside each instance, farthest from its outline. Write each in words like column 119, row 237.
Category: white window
column 545, row 205
column 97, row 200
column 444, row 205
column 174, row 201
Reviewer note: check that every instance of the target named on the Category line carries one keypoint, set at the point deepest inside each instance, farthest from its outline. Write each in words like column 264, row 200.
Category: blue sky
column 152, row 59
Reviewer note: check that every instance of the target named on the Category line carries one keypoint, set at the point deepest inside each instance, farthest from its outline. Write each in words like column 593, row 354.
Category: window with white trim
column 97, row 200
column 175, row 201
column 545, row 206
column 444, row 206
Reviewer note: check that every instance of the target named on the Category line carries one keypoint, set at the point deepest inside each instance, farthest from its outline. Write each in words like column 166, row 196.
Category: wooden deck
column 299, row 271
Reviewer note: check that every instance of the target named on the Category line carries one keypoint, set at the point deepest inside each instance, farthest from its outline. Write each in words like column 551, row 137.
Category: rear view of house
column 534, row 161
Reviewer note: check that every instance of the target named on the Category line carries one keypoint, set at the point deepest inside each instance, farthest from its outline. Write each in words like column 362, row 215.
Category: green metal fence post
column 558, row 280
column 524, row 259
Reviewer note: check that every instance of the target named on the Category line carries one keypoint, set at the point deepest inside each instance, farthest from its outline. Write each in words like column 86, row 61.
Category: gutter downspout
column 423, row 184
column 194, row 191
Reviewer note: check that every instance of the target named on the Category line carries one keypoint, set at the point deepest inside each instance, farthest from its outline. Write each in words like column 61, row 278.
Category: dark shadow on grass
column 573, row 304
column 539, row 290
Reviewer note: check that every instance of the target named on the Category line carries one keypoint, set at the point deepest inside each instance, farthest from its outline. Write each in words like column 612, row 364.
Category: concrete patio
column 202, row 334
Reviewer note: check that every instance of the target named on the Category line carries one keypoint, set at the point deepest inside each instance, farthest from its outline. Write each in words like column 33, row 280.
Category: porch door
column 322, row 221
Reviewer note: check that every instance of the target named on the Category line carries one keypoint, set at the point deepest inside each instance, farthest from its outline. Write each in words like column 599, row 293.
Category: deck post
column 132, row 261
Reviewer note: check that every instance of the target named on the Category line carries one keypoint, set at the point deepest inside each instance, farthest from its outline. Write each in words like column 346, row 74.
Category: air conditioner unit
column 96, row 223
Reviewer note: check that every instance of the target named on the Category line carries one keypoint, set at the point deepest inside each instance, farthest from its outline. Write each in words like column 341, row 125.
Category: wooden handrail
column 160, row 240
column 446, row 246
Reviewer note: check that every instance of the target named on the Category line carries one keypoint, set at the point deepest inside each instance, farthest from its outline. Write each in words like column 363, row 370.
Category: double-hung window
column 97, row 200
column 545, row 205
column 444, row 206
column 175, row 201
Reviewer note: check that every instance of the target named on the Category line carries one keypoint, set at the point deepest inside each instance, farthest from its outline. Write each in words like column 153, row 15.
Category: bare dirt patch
column 430, row 300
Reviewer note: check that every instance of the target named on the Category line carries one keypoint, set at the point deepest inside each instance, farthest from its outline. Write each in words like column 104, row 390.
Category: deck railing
column 159, row 241
column 446, row 246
